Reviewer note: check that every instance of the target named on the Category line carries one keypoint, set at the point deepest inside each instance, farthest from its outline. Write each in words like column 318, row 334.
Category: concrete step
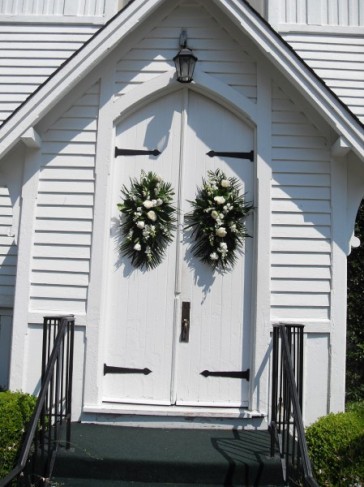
column 118, row 456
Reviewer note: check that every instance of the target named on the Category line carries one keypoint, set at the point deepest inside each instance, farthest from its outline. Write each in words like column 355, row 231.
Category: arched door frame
column 118, row 109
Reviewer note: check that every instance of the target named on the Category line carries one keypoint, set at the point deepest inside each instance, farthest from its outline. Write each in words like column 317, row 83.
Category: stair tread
column 173, row 456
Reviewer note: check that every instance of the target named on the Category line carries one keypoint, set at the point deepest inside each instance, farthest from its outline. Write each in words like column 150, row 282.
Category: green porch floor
column 103, row 455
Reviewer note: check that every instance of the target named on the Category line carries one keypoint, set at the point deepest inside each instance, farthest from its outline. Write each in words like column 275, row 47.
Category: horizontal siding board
column 61, row 265
column 301, row 314
column 58, row 292
column 308, row 286
column 311, row 219
column 64, row 160
column 301, row 245
column 303, row 258
column 303, row 154
column 301, row 272
column 305, row 167
column 300, row 231
column 71, row 173
column 65, row 212
column 311, row 180
column 301, row 193
column 49, row 199
column 299, row 299
column 57, row 305
column 48, row 224
column 70, row 186
column 65, row 238
column 62, row 251
column 61, row 278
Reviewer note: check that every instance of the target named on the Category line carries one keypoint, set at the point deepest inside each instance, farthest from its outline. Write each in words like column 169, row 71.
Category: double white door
column 143, row 308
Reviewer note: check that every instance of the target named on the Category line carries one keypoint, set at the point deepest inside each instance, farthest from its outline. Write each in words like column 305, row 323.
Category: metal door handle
column 185, row 322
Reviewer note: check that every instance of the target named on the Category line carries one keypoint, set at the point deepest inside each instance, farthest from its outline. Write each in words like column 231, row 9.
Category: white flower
column 225, row 183
column 140, row 224
column 137, row 247
column 215, row 215
column 159, row 202
column 214, row 256
column 148, row 204
column 221, row 232
column 152, row 215
column 233, row 227
column 223, row 245
column 220, row 200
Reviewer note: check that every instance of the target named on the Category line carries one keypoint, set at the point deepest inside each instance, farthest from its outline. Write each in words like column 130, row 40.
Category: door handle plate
column 185, row 322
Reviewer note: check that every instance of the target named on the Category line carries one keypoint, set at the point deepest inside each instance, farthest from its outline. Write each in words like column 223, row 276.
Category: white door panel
column 143, row 308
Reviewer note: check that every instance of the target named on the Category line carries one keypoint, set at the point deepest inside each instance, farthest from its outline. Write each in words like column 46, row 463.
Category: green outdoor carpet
column 119, row 456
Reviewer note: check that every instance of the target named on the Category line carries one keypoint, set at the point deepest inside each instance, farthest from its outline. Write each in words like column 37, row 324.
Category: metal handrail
column 52, row 408
column 286, row 423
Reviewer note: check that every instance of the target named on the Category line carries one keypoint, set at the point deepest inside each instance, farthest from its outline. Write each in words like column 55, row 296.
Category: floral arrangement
column 147, row 220
column 217, row 221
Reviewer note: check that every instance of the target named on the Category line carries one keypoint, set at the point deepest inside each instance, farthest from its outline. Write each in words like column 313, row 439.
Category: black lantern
column 185, row 61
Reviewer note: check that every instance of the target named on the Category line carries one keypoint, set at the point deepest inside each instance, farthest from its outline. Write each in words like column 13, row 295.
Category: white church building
column 281, row 81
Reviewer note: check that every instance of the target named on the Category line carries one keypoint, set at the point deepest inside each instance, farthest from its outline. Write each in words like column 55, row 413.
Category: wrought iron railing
column 53, row 407
column 286, row 425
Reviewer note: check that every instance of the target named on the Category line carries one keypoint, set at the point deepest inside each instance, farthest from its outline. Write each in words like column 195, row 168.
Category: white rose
column 137, row 247
column 215, row 215
column 140, row 224
column 221, row 232
column 225, row 183
column 159, row 202
column 220, row 200
column 148, row 204
column 214, row 256
column 152, row 215
column 223, row 246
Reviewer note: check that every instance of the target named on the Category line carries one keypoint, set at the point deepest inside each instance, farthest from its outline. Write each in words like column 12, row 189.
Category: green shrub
column 16, row 409
column 336, row 447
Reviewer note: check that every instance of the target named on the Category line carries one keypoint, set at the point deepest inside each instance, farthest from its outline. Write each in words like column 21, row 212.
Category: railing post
column 287, row 383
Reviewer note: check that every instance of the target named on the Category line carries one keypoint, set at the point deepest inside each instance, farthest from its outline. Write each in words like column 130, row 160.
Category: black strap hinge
column 243, row 374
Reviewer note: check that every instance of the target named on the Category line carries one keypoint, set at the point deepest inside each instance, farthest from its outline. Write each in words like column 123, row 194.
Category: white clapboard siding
column 301, row 215
column 29, row 54
column 345, row 13
column 8, row 250
column 64, row 214
column 218, row 54
column 339, row 60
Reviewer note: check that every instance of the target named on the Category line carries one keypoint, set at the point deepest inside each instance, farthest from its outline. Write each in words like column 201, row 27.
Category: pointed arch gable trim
column 203, row 83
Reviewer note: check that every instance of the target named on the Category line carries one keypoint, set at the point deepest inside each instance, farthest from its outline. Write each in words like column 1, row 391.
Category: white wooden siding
column 63, row 227
column 218, row 54
column 29, row 54
column 8, row 250
column 301, row 215
column 54, row 7
column 338, row 60
column 321, row 12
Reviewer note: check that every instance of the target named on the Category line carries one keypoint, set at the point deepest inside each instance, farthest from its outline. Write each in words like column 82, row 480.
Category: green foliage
column 336, row 446
column 355, row 332
column 16, row 409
